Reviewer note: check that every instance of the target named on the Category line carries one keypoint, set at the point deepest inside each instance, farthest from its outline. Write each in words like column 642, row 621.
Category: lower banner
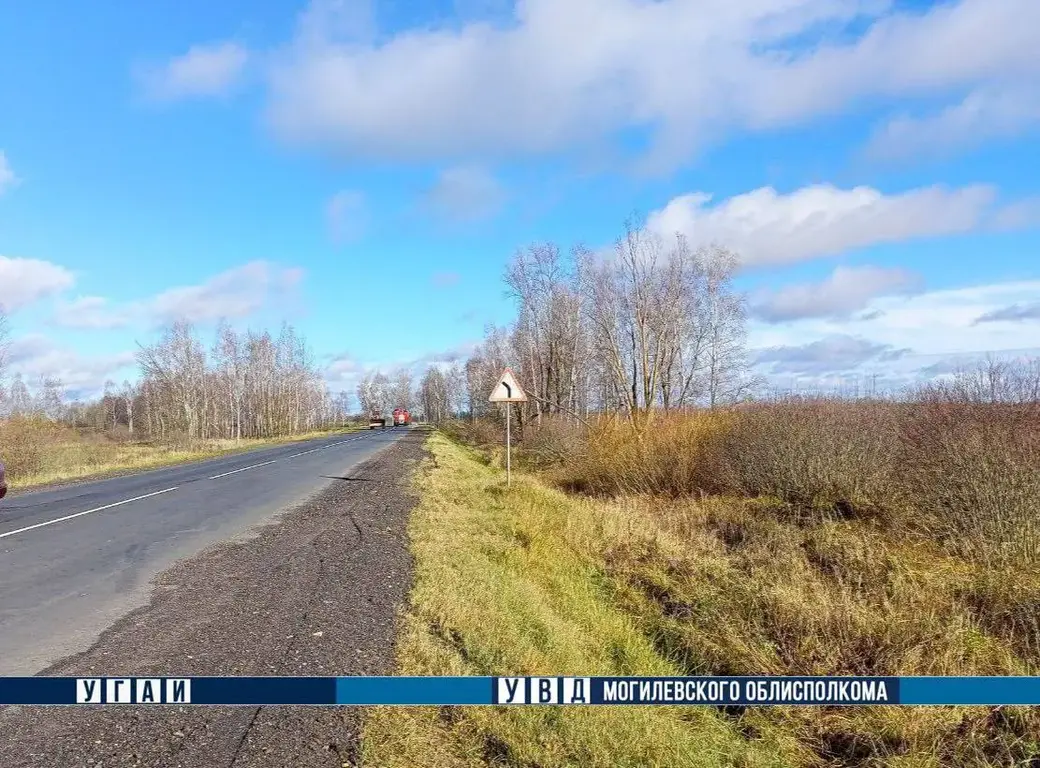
column 485, row 691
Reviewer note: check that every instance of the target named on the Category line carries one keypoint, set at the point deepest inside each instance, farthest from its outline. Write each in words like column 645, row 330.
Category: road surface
column 315, row 592
column 75, row 559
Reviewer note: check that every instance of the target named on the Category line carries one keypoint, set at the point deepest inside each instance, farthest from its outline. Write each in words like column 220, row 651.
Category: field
column 40, row 452
column 797, row 537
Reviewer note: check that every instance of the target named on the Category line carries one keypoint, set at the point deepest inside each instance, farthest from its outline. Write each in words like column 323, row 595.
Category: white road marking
column 320, row 448
column 312, row 450
column 165, row 490
column 87, row 512
column 251, row 466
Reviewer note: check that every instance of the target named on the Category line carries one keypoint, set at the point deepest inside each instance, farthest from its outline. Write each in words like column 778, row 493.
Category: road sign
column 507, row 390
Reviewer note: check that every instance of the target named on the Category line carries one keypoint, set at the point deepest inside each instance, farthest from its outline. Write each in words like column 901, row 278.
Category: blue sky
column 874, row 163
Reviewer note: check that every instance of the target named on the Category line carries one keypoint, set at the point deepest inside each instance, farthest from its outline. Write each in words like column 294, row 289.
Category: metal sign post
column 508, row 391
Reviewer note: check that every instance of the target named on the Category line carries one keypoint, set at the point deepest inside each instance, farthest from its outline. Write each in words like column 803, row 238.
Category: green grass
column 500, row 590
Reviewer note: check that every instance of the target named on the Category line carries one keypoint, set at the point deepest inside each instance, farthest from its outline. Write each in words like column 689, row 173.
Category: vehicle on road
column 376, row 422
column 402, row 418
column 3, row 481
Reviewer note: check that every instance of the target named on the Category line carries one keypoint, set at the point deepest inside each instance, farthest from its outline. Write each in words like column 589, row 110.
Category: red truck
column 402, row 418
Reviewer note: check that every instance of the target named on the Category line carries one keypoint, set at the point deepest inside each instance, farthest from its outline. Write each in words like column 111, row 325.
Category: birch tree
column 401, row 389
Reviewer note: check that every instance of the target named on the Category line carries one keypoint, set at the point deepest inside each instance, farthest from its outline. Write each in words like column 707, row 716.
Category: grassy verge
column 533, row 581
column 73, row 460
column 501, row 588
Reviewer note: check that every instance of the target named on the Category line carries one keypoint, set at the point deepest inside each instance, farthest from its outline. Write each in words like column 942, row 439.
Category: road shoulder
column 316, row 593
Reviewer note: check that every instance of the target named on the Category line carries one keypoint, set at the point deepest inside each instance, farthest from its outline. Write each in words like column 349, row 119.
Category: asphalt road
column 75, row 559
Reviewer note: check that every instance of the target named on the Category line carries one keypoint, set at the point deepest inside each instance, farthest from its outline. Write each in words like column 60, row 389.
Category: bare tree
column 652, row 325
column 231, row 374
column 433, row 395
column 50, row 397
column 455, row 383
column 548, row 337
column 724, row 322
column 248, row 386
column 129, row 394
column 368, row 400
column 400, row 391
column 20, row 400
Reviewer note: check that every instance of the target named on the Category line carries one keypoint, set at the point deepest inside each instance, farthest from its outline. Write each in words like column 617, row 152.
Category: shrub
column 555, row 441
column 672, row 454
column 813, row 454
column 480, row 433
column 973, row 471
column 26, row 442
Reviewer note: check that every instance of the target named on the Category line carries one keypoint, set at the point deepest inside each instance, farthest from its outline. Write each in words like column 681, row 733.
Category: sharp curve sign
column 507, row 390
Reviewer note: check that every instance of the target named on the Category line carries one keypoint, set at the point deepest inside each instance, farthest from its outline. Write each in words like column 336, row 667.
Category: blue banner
column 507, row 691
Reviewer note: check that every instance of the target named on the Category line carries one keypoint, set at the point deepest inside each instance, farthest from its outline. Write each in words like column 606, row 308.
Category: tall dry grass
column 939, row 466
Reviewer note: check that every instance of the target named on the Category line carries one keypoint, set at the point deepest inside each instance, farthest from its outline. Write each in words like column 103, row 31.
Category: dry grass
column 966, row 475
column 726, row 586
column 535, row 581
column 40, row 452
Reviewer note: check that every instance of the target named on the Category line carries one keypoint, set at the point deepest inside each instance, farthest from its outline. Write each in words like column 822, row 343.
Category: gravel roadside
column 315, row 593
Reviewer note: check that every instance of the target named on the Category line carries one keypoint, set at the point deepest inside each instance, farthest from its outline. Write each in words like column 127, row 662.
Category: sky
column 365, row 169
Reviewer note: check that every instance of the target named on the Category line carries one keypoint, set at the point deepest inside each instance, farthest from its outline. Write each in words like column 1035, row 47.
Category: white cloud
column 938, row 323
column 346, row 214
column 833, row 354
column 1014, row 313
column 767, row 228
column 233, row 294
column 8, row 179
column 1021, row 214
column 341, row 21
column 37, row 356
column 344, row 371
column 465, row 193
column 904, row 339
column 992, row 113
column 24, row 281
column 236, row 293
column 846, row 291
column 93, row 312
column 205, row 70
column 566, row 74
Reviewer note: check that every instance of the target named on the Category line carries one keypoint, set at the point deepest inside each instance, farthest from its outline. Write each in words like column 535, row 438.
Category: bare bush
column 555, row 441
column 971, row 462
column 814, row 454
column 959, row 462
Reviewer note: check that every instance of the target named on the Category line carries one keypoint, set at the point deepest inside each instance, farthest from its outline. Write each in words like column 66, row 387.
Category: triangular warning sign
column 507, row 390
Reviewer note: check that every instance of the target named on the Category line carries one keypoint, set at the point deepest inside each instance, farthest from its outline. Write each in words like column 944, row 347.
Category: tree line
column 651, row 324
column 249, row 384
